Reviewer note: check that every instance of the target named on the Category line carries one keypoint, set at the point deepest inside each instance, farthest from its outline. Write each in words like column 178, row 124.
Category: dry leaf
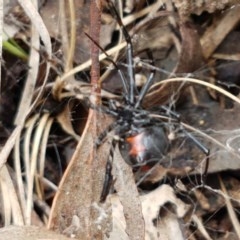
column 129, row 197
column 151, row 204
column 29, row 233
column 80, row 189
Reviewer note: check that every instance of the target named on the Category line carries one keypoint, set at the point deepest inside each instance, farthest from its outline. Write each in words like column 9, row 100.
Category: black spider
column 140, row 133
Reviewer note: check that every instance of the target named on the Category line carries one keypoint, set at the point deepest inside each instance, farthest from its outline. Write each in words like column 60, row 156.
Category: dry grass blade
column 157, row 89
column 18, row 171
column 42, row 31
column 33, row 164
column 71, row 48
column 200, row 227
column 88, row 63
column 39, row 175
column 38, row 23
column 43, row 148
column 33, row 63
column 11, row 199
column 5, row 151
column 219, row 31
column 68, row 45
column 5, row 201
column 230, row 209
column 27, row 142
column 200, row 82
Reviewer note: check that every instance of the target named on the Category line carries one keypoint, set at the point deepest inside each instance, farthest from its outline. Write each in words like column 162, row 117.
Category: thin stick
column 95, row 21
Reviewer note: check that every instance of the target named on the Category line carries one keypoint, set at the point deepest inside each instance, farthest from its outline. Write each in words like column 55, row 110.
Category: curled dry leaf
column 64, row 119
column 170, row 226
column 186, row 7
column 151, row 204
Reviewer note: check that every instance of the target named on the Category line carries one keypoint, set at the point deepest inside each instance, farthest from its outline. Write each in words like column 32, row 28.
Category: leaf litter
column 202, row 43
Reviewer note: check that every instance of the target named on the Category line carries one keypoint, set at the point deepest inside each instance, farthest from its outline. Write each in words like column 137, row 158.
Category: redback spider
column 141, row 134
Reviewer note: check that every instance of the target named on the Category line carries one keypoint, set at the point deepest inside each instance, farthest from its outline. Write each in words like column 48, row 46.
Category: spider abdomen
column 146, row 147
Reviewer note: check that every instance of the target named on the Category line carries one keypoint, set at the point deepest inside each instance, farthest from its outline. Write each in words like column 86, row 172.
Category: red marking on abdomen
column 136, row 145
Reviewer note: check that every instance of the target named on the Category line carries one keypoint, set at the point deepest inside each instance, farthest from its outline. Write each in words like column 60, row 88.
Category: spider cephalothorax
column 141, row 134
column 142, row 138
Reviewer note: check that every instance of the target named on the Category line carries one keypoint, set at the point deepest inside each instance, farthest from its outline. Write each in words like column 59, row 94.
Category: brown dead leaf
column 129, row 197
column 29, row 233
column 191, row 56
column 153, row 34
column 79, row 191
column 187, row 8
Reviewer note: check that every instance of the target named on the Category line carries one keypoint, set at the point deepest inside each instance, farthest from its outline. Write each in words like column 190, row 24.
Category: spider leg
column 103, row 134
column 108, row 181
column 176, row 120
column 171, row 113
column 205, row 150
column 131, row 72
column 148, row 83
column 200, row 146
column 123, row 79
